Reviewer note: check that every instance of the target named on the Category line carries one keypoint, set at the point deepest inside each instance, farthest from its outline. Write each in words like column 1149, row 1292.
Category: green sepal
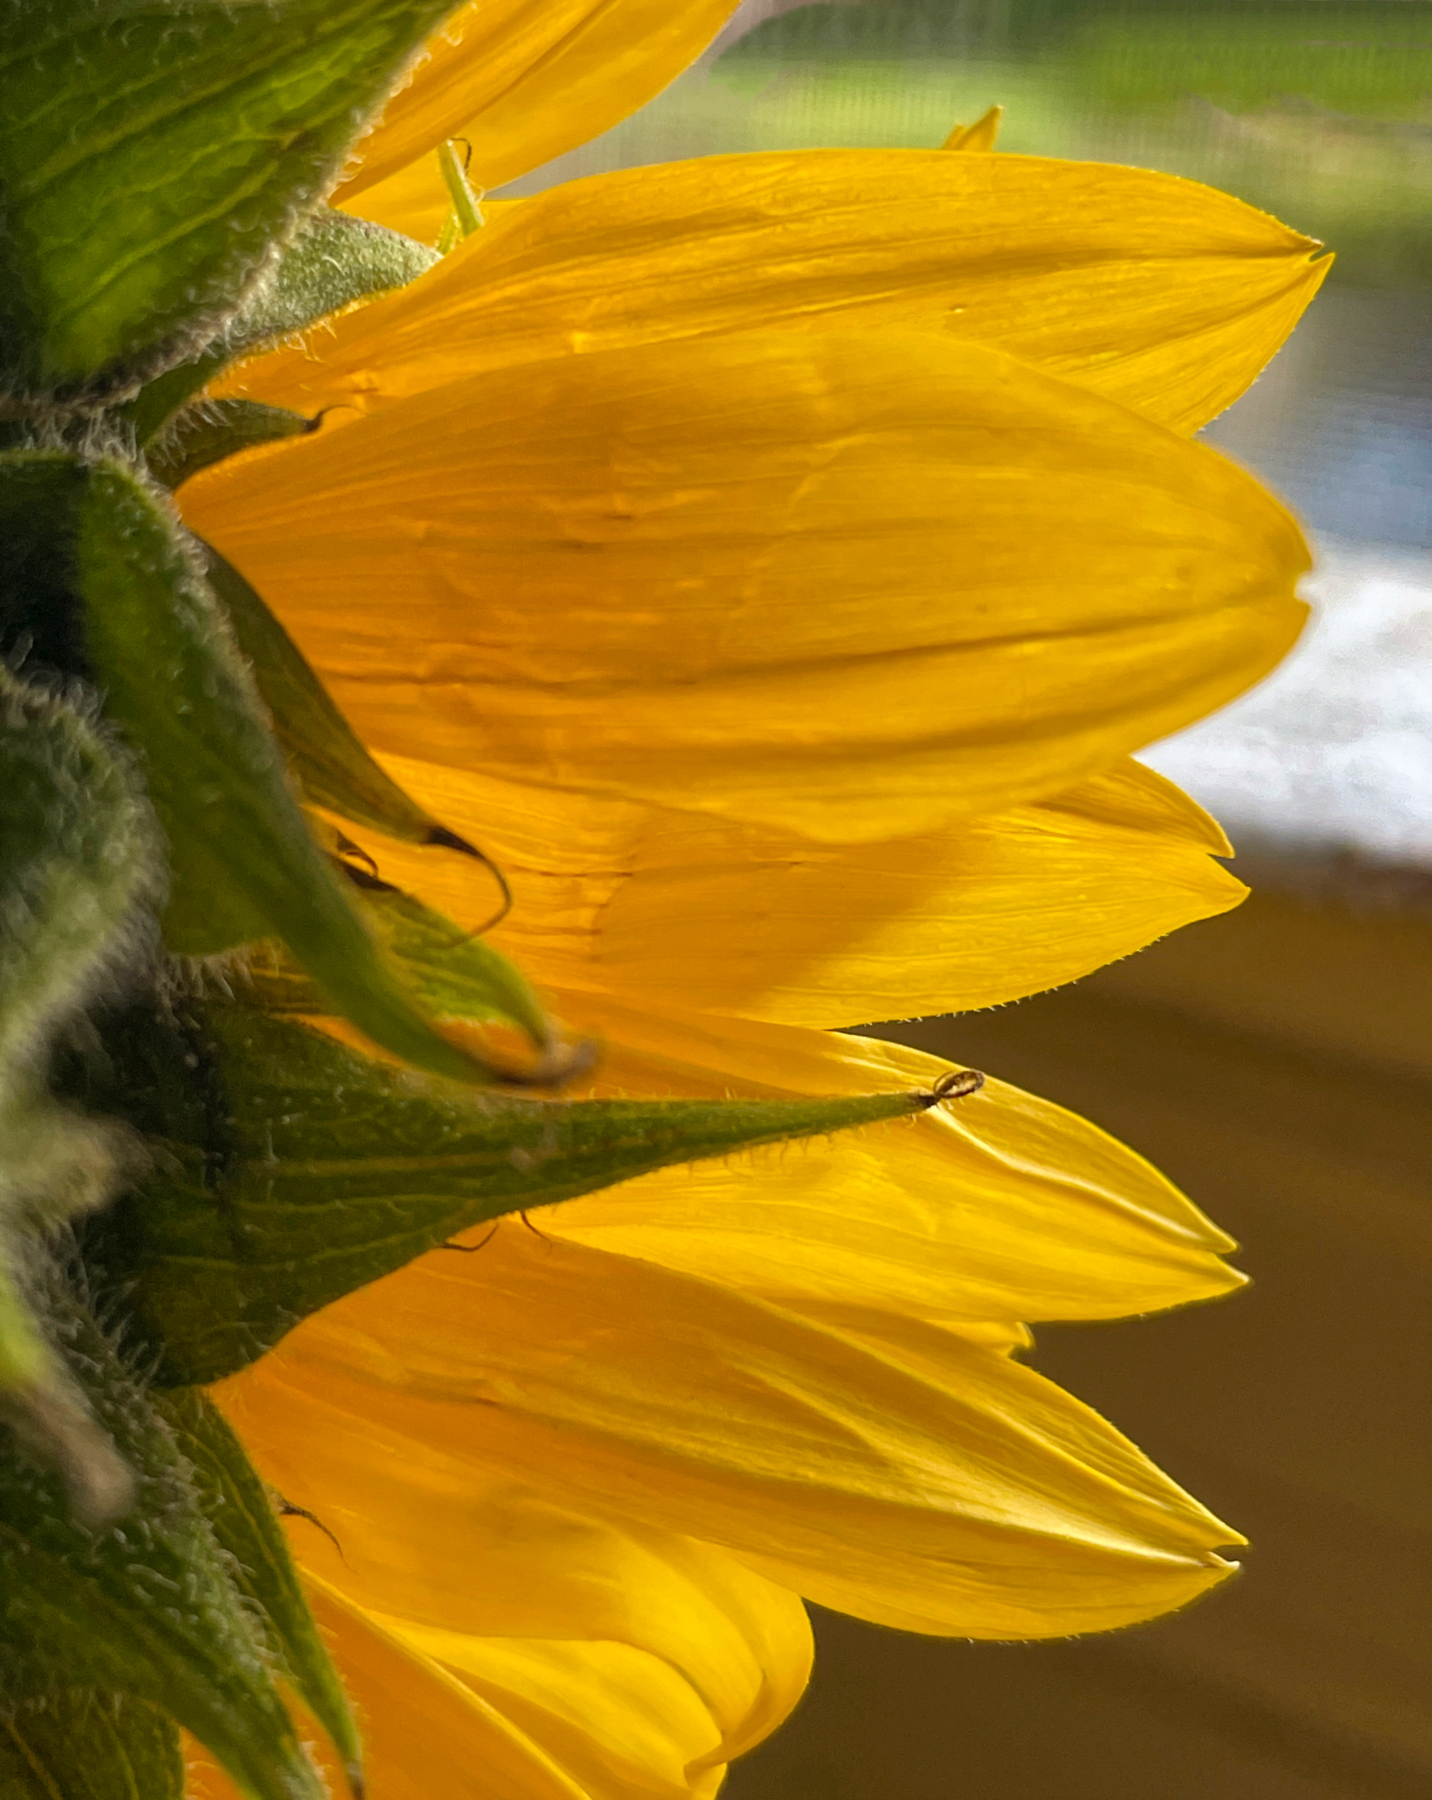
column 452, row 973
column 290, row 1170
column 237, row 1506
column 80, row 857
column 328, row 760
column 153, row 155
column 208, row 432
column 145, row 1608
column 78, row 1745
column 96, row 579
column 335, row 261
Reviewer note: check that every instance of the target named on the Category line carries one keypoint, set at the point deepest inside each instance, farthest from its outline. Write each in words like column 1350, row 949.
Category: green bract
column 157, row 157
column 150, row 1611
column 208, row 432
column 237, row 1506
column 89, row 1747
column 333, row 261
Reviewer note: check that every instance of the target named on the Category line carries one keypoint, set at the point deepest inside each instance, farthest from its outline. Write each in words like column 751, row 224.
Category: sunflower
column 772, row 561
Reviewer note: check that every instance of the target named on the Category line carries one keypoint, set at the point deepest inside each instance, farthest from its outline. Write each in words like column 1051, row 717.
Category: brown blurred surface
column 1278, row 1064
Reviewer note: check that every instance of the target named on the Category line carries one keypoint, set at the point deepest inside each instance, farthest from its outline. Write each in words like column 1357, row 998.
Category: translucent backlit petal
column 415, row 200
column 855, row 587
column 1161, row 293
column 979, row 136
column 426, row 1734
column 202, row 1781
column 940, row 1486
column 621, row 1722
column 691, row 911
column 665, row 1657
column 442, row 1546
column 521, row 81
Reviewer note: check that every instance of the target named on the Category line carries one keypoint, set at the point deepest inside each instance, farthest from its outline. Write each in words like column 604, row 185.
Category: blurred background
column 1277, row 1062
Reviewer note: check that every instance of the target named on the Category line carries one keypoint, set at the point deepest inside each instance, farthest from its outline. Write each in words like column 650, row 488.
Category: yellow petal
column 202, row 1781
column 855, row 587
column 945, row 1488
column 1000, row 1206
column 687, row 911
column 414, row 201
column 979, row 136
column 426, row 1734
column 522, row 82
column 622, row 1723
column 1165, row 295
column 439, row 1545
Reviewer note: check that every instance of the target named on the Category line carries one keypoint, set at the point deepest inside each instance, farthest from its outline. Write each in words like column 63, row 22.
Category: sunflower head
column 492, row 694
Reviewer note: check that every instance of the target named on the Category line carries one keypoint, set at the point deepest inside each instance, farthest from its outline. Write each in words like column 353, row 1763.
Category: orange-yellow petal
column 998, row 1208
column 415, row 200
column 940, row 1487
column 426, row 1734
column 727, row 918
column 524, row 80
column 854, row 587
column 684, row 910
column 662, row 1658
column 622, row 1724
column 202, row 1781
column 436, row 1544
column 1161, row 293
column 979, row 136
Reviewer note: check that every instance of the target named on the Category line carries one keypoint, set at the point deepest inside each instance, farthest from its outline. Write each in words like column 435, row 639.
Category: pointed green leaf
column 290, row 1170
column 237, row 1507
column 211, row 430
column 335, row 261
column 86, row 1746
column 153, row 154
column 453, row 973
column 95, row 578
column 145, row 1608
column 329, row 761
column 79, row 860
